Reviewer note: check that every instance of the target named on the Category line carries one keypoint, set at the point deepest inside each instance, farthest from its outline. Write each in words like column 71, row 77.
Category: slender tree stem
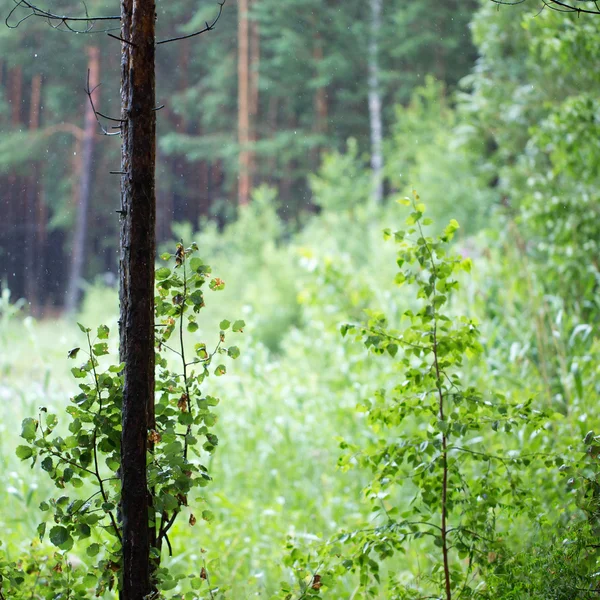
column 444, row 529
column 438, row 375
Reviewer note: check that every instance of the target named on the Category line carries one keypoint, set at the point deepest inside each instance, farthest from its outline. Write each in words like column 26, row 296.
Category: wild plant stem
column 183, row 361
column 96, row 467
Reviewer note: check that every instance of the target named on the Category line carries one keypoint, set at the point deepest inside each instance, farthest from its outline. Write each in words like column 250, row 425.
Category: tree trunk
column 253, row 92
column 375, row 103
column 13, row 214
column 137, row 246
column 86, row 173
column 16, row 97
column 243, row 104
column 320, row 101
column 164, row 198
column 32, row 256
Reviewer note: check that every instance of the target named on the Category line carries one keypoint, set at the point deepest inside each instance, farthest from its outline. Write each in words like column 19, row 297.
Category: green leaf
column 224, row 324
column 163, row 273
column 192, row 326
column 103, row 332
column 165, row 256
column 392, row 349
column 443, row 426
column 90, row 580
column 59, row 535
column 220, row 370
column 28, row 429
column 100, row 349
column 84, row 329
column 201, row 350
column 208, row 515
column 24, row 452
column 73, row 352
column 216, row 284
column 233, row 352
column 195, row 264
column 78, row 373
column 238, row 326
column 197, row 298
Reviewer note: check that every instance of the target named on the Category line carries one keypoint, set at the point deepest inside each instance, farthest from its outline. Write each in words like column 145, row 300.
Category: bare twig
column 97, row 114
column 118, row 37
column 208, row 27
column 56, row 21
column 559, row 6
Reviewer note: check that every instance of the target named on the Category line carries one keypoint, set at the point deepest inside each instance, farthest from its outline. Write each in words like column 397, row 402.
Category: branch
column 208, row 27
column 97, row 114
column 54, row 20
column 560, row 6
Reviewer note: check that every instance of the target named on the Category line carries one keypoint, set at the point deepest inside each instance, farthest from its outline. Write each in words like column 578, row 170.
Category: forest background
column 265, row 148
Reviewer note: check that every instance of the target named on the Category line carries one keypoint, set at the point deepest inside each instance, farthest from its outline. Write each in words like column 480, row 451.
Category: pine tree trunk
column 375, row 103
column 253, row 92
column 86, row 174
column 137, row 245
column 14, row 213
column 32, row 238
column 16, row 97
column 164, row 198
column 320, row 106
column 243, row 104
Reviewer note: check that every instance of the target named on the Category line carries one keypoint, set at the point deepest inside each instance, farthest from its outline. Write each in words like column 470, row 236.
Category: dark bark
column 86, row 173
column 138, row 220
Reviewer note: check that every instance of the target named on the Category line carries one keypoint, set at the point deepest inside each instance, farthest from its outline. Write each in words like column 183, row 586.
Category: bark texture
column 138, row 220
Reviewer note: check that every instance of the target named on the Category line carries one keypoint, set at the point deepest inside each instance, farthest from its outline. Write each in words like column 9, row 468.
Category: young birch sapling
column 84, row 461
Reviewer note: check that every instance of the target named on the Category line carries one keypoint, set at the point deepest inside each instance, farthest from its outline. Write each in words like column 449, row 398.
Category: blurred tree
column 375, row 103
column 86, row 167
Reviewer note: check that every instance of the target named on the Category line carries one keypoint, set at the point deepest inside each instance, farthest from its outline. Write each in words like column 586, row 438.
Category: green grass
column 285, row 403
